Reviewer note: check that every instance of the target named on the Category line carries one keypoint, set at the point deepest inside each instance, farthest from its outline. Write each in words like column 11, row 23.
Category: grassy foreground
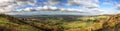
column 91, row 23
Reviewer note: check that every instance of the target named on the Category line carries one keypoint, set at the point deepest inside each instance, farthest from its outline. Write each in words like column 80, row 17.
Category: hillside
column 8, row 23
column 88, row 23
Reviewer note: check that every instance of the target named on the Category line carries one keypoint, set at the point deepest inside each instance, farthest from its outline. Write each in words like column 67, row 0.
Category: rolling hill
column 85, row 23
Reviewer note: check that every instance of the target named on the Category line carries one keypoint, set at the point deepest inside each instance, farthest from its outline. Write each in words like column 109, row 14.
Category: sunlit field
column 87, row 23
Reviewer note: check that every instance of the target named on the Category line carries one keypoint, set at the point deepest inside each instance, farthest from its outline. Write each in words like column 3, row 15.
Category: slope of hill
column 8, row 23
column 88, row 23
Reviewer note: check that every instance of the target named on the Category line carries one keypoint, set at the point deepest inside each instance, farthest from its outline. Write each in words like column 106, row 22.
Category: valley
column 60, row 23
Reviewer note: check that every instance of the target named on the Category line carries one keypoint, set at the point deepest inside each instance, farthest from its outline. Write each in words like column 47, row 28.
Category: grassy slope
column 85, row 24
column 98, row 23
column 7, row 25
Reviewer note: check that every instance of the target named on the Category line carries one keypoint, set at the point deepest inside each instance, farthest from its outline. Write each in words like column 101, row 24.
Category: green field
column 87, row 23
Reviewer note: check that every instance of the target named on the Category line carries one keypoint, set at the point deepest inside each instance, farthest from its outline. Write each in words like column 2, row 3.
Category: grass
column 76, row 24
column 84, row 23
column 81, row 24
column 14, row 26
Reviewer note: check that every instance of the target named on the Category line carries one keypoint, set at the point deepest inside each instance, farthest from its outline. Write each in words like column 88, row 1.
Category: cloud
column 8, row 5
column 97, row 11
column 117, row 7
column 53, row 2
column 51, row 10
column 81, row 2
column 91, row 6
column 48, row 8
column 30, row 9
column 87, row 4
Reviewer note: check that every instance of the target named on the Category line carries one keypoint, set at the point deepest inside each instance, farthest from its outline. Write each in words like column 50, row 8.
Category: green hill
column 8, row 23
column 88, row 23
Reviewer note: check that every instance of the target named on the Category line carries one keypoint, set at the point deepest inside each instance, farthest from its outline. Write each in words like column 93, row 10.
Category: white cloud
column 52, row 2
column 49, row 7
column 52, row 8
column 91, row 6
column 117, row 7
column 97, row 11
column 8, row 5
column 27, row 9
column 38, row 8
column 87, row 4
column 55, row 8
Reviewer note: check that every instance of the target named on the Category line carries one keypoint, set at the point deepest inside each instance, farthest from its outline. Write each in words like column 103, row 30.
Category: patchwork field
column 85, row 23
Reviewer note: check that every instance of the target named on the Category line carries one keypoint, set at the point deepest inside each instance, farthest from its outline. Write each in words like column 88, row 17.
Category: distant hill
column 51, row 23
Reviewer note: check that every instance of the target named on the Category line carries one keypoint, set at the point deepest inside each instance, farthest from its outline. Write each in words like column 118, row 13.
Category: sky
column 91, row 6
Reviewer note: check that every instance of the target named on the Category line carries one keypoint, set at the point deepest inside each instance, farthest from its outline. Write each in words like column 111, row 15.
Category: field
column 61, row 23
